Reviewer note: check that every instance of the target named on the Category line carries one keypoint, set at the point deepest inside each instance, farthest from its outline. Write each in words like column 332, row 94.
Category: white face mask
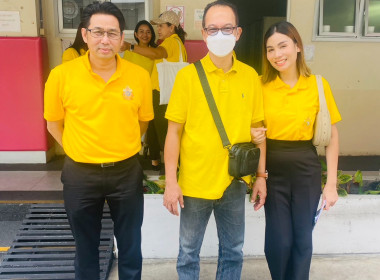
column 221, row 44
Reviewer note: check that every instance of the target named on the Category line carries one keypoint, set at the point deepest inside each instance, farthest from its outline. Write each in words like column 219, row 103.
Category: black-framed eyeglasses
column 212, row 31
column 99, row 33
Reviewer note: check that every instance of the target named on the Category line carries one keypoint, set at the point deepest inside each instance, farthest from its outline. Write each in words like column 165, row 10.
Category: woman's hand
column 258, row 135
column 330, row 195
column 125, row 46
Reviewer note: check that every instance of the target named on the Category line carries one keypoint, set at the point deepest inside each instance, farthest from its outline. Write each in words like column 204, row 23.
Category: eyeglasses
column 99, row 33
column 212, row 31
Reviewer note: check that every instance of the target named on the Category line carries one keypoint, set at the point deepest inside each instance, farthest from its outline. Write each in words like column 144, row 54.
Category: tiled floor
column 30, row 180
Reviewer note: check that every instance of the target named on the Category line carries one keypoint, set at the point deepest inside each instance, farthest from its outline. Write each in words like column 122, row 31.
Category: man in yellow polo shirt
column 204, row 184
column 97, row 107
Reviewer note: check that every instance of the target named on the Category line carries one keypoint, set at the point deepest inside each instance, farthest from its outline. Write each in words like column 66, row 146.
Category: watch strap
column 262, row 174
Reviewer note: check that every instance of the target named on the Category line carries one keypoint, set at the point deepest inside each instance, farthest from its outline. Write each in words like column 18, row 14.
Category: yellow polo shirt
column 171, row 46
column 290, row 112
column 71, row 53
column 204, row 162
column 140, row 60
column 101, row 123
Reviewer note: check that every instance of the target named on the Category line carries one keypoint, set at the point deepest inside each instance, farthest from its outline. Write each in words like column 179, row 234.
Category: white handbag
column 322, row 124
column 167, row 72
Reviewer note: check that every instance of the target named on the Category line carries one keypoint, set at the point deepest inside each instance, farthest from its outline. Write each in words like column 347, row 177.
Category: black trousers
column 85, row 189
column 294, row 189
column 157, row 129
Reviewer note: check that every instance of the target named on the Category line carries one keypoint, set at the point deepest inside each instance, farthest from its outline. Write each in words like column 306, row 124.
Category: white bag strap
column 321, row 93
column 180, row 53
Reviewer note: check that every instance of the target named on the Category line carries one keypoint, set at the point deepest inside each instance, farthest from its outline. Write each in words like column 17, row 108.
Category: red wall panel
column 23, row 72
column 196, row 49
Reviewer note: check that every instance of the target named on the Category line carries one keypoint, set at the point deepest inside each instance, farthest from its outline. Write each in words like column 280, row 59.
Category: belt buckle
column 107, row 164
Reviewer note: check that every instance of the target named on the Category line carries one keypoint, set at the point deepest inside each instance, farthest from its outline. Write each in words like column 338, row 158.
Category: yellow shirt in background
column 204, row 162
column 71, row 53
column 140, row 60
column 171, row 46
column 101, row 123
column 290, row 112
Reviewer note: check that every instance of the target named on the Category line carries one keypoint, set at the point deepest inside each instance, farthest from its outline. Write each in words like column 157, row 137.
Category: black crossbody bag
column 243, row 157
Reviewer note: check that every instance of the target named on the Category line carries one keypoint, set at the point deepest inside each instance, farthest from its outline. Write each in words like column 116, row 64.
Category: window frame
column 70, row 32
column 360, row 33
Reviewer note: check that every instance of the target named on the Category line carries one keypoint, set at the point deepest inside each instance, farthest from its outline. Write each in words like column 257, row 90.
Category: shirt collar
column 301, row 83
column 210, row 66
column 86, row 61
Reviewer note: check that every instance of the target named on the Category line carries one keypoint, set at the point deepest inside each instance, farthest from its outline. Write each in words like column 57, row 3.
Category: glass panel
column 133, row 12
column 374, row 16
column 339, row 16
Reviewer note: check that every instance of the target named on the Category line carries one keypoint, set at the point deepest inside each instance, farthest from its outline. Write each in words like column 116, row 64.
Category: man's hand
column 172, row 196
column 258, row 134
column 259, row 193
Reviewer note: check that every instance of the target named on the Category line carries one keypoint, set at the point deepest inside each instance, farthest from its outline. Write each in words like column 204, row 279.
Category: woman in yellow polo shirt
column 170, row 31
column 145, row 37
column 77, row 49
column 291, row 103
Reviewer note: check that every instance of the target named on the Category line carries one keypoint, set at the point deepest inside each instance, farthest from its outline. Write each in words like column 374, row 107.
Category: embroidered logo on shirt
column 128, row 93
column 307, row 121
column 242, row 95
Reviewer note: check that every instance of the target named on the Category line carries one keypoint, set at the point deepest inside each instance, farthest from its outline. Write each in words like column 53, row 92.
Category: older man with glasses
column 97, row 107
column 204, row 185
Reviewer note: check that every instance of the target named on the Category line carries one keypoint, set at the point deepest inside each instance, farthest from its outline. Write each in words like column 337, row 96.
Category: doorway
column 255, row 16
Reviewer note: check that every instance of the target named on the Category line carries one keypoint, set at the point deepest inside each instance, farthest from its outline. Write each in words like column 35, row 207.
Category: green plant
column 154, row 186
column 343, row 180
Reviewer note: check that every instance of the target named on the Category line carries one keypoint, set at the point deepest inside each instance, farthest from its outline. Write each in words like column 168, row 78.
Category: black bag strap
column 212, row 105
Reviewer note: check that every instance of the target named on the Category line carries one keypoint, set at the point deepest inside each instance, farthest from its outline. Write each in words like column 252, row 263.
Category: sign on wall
column 180, row 11
column 198, row 17
column 10, row 21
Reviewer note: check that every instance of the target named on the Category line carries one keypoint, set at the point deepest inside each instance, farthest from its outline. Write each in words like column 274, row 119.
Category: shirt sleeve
column 258, row 107
column 168, row 45
column 331, row 105
column 53, row 106
column 146, row 108
column 179, row 99
column 69, row 54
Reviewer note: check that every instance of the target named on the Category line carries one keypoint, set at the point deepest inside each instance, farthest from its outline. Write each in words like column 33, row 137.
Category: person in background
column 77, row 49
column 204, row 185
column 291, row 103
column 146, row 38
column 173, row 38
column 97, row 107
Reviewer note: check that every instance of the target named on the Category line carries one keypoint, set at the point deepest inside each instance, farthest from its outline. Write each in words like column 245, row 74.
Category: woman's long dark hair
column 180, row 32
column 152, row 42
column 78, row 42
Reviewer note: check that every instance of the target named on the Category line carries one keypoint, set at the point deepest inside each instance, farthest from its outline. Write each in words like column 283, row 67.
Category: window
column 372, row 18
column 69, row 13
column 347, row 20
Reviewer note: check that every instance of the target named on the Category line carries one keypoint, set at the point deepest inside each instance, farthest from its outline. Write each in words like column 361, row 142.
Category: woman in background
column 77, row 49
column 291, row 103
column 173, row 38
column 145, row 37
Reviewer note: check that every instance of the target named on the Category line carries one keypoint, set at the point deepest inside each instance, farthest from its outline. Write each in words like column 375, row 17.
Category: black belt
column 104, row 164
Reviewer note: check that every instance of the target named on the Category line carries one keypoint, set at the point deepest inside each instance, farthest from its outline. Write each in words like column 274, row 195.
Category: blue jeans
column 229, row 217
